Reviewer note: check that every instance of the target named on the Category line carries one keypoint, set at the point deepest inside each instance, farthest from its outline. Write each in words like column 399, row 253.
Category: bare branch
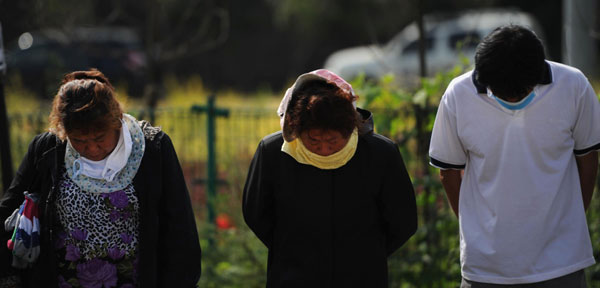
column 188, row 12
column 185, row 49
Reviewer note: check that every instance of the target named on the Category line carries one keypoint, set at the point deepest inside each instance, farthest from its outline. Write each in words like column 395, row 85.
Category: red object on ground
column 223, row 222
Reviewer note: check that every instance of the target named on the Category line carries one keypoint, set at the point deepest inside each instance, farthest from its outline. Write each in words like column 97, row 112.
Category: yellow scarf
column 336, row 160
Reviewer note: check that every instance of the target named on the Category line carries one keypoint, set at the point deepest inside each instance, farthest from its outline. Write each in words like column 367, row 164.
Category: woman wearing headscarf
column 329, row 198
column 112, row 203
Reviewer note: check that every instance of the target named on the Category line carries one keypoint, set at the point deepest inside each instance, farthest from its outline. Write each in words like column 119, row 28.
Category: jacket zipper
column 48, row 211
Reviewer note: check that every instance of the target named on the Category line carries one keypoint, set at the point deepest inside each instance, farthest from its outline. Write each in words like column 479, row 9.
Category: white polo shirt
column 521, row 211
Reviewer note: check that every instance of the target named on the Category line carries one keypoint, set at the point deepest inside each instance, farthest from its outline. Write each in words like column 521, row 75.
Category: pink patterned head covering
column 319, row 75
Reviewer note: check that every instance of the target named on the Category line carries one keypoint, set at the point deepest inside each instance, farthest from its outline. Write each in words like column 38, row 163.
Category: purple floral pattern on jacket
column 79, row 234
column 97, row 243
column 118, row 199
column 73, row 253
column 127, row 238
column 97, row 274
column 62, row 283
column 115, row 253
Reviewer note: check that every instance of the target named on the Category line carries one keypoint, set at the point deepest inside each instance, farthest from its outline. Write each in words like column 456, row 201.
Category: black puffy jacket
column 330, row 228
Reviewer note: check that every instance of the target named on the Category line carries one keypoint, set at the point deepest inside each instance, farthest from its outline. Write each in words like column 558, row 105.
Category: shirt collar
column 546, row 79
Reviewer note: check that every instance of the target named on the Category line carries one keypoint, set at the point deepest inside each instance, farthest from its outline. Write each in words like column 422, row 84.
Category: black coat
column 330, row 228
column 169, row 249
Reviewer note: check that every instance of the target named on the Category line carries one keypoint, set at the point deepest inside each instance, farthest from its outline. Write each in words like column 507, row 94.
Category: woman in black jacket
column 328, row 197
column 113, row 205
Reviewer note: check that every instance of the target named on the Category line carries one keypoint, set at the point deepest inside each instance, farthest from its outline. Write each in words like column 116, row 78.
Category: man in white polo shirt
column 526, row 133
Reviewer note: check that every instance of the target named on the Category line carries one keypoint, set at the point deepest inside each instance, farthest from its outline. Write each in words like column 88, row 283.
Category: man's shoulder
column 565, row 74
column 462, row 81
column 461, row 85
column 563, row 68
column 568, row 81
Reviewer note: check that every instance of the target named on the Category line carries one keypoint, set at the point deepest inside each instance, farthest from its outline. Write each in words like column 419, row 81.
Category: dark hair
column 510, row 61
column 320, row 105
column 85, row 102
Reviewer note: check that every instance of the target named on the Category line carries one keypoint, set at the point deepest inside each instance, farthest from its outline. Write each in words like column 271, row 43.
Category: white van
column 447, row 36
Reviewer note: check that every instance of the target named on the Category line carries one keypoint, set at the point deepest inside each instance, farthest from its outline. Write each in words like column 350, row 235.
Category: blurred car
column 447, row 37
column 42, row 57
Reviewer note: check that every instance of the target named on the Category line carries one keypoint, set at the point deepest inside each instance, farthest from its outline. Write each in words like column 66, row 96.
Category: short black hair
column 510, row 61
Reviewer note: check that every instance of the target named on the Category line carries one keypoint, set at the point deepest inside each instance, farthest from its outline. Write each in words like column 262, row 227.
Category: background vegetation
column 246, row 53
column 232, row 255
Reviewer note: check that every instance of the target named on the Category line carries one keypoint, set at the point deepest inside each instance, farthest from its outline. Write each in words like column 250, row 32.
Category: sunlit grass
column 19, row 99
column 194, row 92
column 178, row 93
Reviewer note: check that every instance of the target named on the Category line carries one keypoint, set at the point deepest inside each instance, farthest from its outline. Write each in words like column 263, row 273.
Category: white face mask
column 513, row 105
column 108, row 167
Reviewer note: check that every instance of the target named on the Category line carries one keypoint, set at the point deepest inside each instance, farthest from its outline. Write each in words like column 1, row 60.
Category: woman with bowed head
column 112, row 203
column 329, row 198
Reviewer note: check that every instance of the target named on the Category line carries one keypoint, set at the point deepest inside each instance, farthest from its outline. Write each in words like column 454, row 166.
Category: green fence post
column 212, row 113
